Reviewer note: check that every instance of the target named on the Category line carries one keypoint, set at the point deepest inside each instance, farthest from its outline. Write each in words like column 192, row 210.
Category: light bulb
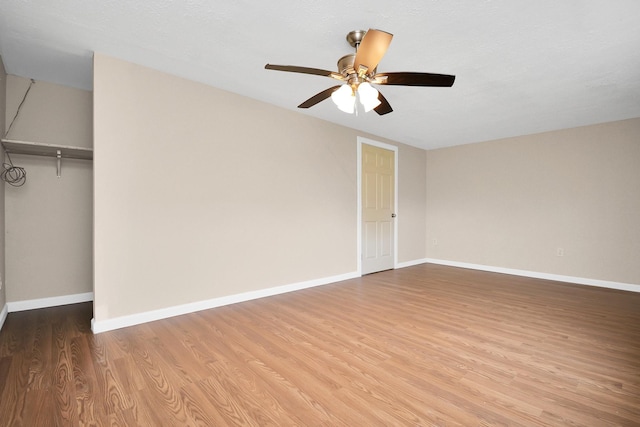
column 344, row 98
column 368, row 96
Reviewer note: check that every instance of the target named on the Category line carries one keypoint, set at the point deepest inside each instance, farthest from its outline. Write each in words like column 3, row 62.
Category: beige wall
column 200, row 193
column 412, row 206
column 49, row 219
column 3, row 92
column 512, row 203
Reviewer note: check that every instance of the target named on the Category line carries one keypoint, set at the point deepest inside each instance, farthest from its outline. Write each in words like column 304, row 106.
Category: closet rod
column 13, row 146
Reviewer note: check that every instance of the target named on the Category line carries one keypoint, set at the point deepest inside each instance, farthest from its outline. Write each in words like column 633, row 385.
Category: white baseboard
column 49, row 302
column 537, row 275
column 164, row 313
column 3, row 315
column 411, row 263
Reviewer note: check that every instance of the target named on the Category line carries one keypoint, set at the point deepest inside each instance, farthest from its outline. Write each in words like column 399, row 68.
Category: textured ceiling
column 521, row 66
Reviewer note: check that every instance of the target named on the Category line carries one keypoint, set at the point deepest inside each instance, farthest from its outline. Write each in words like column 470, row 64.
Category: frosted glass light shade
column 345, row 99
column 368, row 96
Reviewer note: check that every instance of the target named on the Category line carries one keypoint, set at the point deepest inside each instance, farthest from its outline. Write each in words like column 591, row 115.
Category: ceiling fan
column 358, row 71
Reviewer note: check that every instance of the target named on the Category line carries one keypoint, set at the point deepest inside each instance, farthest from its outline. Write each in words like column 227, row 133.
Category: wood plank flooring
column 421, row 346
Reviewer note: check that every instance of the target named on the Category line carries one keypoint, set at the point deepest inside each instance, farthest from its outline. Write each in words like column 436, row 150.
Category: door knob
column 393, row 215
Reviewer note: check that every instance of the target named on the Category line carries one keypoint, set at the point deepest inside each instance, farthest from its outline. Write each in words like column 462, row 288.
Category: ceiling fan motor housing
column 345, row 64
column 345, row 67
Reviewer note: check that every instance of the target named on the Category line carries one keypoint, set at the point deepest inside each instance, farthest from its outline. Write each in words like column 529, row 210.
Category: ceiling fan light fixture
column 368, row 96
column 344, row 98
column 358, row 70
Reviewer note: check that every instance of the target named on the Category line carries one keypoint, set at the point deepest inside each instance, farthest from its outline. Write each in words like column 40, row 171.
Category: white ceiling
column 521, row 66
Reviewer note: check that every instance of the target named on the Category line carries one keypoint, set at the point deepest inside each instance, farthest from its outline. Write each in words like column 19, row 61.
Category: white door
column 377, row 209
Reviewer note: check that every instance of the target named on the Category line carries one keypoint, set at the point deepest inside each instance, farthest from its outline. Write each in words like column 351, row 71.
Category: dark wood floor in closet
column 426, row 345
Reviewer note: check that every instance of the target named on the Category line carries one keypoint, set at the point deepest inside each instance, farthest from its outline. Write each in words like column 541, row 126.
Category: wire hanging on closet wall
column 13, row 175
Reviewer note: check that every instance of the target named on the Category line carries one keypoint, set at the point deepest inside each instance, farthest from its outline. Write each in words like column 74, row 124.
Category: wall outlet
column 434, row 242
column 560, row 252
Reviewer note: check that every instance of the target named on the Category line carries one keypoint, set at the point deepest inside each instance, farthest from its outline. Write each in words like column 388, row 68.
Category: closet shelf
column 49, row 150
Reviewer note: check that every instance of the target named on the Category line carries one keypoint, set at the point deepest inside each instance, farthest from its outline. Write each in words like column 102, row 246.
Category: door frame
column 362, row 140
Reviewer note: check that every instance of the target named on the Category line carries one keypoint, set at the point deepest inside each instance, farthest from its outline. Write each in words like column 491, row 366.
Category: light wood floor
column 426, row 345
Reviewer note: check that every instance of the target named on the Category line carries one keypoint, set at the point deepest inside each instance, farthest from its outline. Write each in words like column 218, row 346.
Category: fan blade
column 414, row 79
column 371, row 50
column 305, row 70
column 319, row 97
column 384, row 107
